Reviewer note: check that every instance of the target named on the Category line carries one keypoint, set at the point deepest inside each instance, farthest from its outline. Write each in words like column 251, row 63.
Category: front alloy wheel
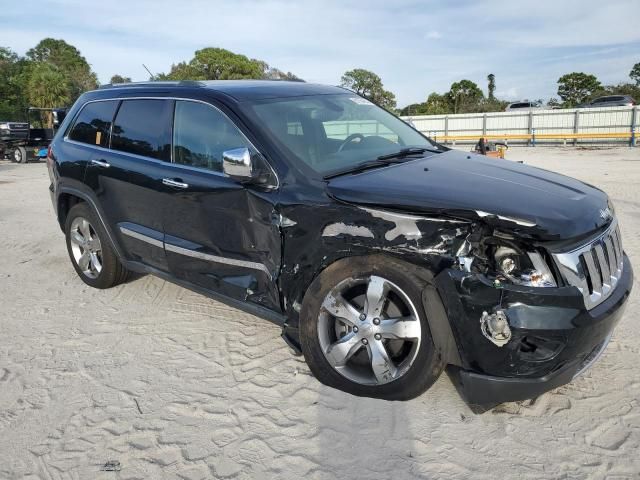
column 364, row 328
column 369, row 330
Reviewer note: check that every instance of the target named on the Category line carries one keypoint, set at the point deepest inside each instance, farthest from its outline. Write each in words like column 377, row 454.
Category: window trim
column 164, row 162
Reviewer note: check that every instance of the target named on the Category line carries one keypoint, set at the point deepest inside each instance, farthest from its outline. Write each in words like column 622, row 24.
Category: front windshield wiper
column 407, row 152
column 361, row 167
column 382, row 161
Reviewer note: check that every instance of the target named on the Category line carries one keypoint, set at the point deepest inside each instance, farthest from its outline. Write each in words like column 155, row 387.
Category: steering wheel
column 350, row 139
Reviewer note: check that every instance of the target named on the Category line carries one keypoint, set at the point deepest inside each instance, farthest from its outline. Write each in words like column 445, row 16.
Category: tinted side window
column 201, row 133
column 93, row 123
column 143, row 127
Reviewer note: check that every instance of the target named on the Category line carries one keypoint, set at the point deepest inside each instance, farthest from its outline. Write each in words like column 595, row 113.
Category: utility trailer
column 24, row 141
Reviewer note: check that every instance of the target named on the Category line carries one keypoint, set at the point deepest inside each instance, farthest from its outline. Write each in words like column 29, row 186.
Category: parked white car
column 525, row 105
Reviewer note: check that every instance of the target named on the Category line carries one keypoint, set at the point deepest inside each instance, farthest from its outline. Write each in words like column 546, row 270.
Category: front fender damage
column 311, row 243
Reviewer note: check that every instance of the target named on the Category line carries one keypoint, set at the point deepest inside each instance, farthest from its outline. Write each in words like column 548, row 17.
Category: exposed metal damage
column 335, row 229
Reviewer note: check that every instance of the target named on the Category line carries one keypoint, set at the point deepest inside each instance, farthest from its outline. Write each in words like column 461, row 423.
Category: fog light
column 495, row 327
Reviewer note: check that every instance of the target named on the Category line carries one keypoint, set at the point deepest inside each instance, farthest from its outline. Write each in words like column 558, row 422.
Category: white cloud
column 434, row 35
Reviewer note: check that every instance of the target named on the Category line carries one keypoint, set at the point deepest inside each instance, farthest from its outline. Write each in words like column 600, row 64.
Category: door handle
column 174, row 183
column 101, row 163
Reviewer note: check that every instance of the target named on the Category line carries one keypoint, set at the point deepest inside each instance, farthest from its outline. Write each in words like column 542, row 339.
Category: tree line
column 51, row 74
column 54, row 73
column 574, row 89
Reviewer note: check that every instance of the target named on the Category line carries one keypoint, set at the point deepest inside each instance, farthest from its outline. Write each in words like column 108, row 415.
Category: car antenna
column 153, row 77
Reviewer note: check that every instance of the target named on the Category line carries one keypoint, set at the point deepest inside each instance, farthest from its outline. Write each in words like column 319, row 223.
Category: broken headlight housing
column 522, row 268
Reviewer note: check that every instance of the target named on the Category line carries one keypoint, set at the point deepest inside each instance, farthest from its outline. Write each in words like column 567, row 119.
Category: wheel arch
column 68, row 197
column 431, row 301
column 66, row 201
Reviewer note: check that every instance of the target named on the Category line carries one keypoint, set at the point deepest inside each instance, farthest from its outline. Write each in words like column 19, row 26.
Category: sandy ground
column 173, row 385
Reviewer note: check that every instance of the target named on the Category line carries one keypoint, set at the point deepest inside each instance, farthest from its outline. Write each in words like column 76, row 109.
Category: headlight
column 527, row 269
column 4, row 126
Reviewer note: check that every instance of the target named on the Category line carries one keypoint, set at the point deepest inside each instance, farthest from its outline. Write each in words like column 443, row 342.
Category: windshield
column 334, row 132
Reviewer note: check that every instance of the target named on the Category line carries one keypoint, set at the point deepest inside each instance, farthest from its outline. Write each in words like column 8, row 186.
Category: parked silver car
column 525, row 105
column 610, row 101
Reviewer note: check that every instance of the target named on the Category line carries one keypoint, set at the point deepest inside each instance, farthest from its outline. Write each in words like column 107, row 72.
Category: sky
column 416, row 47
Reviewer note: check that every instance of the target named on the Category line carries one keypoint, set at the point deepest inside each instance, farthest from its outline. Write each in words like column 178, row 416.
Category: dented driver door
column 219, row 234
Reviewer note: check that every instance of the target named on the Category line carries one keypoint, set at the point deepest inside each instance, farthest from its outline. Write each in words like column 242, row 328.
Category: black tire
column 113, row 272
column 20, row 155
column 428, row 364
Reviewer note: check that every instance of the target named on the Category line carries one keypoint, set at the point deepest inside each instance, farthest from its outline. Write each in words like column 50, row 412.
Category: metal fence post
column 533, row 137
column 530, row 126
column 634, row 126
column 576, row 126
column 484, row 124
column 446, row 128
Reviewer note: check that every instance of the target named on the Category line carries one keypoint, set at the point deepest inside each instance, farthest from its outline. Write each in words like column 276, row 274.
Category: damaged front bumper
column 553, row 336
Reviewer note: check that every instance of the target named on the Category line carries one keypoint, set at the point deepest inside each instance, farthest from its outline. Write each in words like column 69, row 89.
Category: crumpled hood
column 546, row 205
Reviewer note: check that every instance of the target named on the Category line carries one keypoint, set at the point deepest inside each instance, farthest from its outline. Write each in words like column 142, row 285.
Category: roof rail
column 153, row 83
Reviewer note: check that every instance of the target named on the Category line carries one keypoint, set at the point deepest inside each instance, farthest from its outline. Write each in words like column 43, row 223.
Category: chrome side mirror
column 237, row 164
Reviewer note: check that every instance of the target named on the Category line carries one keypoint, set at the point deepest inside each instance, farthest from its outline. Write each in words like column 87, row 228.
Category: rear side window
column 201, row 133
column 93, row 123
column 143, row 127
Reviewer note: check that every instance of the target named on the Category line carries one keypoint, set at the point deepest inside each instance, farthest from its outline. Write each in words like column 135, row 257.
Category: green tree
column 487, row 105
column 464, row 96
column 47, row 87
column 216, row 64
column 69, row 62
column 634, row 74
column 577, row 87
column 436, row 104
column 12, row 92
column 491, row 78
column 369, row 85
column 220, row 64
column 119, row 79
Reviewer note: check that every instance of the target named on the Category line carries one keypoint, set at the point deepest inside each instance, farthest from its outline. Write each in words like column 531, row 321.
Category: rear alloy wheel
column 90, row 251
column 86, row 247
column 364, row 330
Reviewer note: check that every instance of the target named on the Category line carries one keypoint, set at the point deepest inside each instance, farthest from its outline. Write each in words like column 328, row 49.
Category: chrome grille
column 594, row 268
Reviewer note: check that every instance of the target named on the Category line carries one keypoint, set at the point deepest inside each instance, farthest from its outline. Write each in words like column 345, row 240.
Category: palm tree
column 492, row 85
column 47, row 88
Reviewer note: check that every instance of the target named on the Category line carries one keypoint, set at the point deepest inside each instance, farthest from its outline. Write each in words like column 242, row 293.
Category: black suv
column 384, row 256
